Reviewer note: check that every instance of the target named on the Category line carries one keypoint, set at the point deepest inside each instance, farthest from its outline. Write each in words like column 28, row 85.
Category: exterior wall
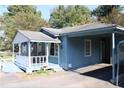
column 76, row 57
column 22, row 61
column 72, row 52
column 19, row 38
column 63, row 52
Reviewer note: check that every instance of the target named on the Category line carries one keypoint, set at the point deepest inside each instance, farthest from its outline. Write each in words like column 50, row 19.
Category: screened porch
column 34, row 54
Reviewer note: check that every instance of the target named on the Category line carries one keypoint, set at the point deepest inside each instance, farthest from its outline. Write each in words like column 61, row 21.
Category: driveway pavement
column 65, row 79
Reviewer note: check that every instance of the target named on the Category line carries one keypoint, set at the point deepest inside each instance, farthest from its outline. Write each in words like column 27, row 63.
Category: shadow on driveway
column 104, row 74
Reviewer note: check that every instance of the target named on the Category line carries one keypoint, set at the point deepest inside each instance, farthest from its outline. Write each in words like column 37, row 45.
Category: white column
column 19, row 44
column 58, row 54
column 113, row 57
column 13, row 52
column 47, row 53
column 29, row 54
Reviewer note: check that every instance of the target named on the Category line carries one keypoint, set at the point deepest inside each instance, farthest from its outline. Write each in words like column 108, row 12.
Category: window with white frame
column 87, row 47
column 53, row 49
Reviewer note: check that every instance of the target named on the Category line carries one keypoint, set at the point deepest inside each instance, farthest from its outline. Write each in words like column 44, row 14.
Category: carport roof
column 82, row 29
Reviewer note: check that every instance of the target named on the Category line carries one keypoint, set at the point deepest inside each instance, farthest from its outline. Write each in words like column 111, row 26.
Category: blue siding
column 75, row 52
column 72, row 52
column 63, row 52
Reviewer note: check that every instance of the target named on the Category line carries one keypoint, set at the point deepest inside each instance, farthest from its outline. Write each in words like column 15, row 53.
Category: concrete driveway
column 74, row 79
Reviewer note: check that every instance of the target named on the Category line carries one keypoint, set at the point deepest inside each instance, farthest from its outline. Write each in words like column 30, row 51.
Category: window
column 87, row 47
column 54, row 49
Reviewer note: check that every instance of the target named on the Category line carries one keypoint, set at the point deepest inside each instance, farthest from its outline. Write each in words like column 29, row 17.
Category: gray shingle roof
column 53, row 31
column 38, row 36
column 77, row 28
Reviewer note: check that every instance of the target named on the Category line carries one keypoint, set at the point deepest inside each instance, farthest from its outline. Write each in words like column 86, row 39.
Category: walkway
column 10, row 67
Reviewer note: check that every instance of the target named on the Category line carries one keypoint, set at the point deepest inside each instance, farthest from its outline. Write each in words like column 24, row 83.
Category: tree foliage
column 63, row 16
column 24, row 17
column 104, row 10
column 109, row 14
column 2, row 37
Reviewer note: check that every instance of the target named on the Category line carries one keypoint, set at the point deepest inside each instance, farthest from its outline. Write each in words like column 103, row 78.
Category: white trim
column 58, row 54
column 46, row 41
column 47, row 53
column 89, row 40
column 19, row 44
column 121, row 28
column 29, row 54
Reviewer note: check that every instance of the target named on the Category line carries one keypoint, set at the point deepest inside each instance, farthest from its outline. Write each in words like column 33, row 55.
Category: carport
column 114, row 32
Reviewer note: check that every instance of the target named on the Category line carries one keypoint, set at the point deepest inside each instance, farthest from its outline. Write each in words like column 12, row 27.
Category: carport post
column 113, row 57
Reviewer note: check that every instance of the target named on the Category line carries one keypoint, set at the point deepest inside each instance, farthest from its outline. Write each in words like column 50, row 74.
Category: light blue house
column 68, row 48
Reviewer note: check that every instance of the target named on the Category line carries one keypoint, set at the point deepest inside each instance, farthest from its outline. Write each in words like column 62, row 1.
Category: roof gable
column 33, row 36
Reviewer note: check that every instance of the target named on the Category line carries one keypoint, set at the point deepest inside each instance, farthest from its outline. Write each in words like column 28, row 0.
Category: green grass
column 43, row 72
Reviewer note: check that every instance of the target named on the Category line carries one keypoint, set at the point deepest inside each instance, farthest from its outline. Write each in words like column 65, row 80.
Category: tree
column 63, row 16
column 2, row 36
column 24, row 17
column 108, row 13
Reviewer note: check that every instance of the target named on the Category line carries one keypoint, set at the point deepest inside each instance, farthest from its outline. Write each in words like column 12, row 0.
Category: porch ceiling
column 34, row 36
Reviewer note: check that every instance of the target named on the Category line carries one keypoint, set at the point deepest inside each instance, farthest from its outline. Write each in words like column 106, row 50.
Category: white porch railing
column 38, row 60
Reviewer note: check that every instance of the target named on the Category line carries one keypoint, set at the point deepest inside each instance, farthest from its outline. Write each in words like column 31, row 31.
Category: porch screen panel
column 43, row 49
column 16, row 48
column 38, row 49
column 24, row 49
column 33, row 49
column 87, row 47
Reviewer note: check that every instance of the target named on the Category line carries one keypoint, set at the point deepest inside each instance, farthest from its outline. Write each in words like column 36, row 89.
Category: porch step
column 55, row 67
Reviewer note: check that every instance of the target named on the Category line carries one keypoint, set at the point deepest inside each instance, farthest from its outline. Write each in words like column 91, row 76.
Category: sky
column 45, row 9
